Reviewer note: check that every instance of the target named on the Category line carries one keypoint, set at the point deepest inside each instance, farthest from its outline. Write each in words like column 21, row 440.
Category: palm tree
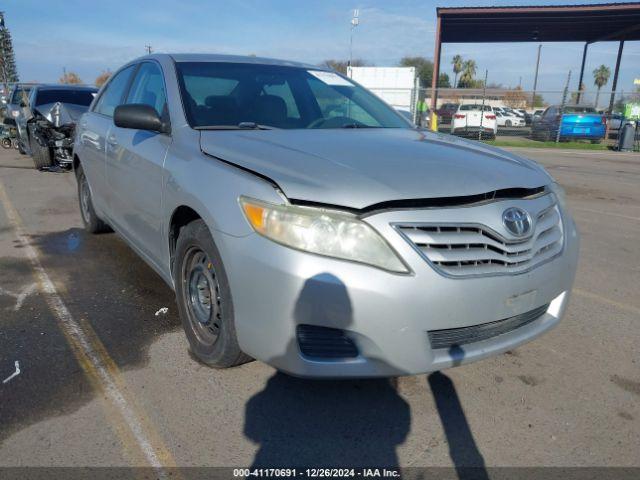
column 457, row 68
column 468, row 72
column 600, row 78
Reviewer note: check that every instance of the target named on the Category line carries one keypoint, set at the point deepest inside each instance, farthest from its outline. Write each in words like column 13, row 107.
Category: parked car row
column 44, row 118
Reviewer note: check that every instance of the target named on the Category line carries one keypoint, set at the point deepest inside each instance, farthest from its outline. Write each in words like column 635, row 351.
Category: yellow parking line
column 129, row 421
column 599, row 298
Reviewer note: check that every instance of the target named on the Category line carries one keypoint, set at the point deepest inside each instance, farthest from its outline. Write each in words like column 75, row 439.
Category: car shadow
column 336, row 423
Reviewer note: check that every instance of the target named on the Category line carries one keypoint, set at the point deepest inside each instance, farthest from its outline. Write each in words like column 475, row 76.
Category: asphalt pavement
column 104, row 381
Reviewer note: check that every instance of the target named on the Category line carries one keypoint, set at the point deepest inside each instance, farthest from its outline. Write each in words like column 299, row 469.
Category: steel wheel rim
column 202, row 296
column 84, row 200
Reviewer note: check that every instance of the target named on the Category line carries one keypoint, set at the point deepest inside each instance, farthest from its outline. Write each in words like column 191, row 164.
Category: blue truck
column 575, row 122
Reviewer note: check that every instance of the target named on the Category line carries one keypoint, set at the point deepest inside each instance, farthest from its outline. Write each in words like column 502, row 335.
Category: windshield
column 76, row 97
column 240, row 95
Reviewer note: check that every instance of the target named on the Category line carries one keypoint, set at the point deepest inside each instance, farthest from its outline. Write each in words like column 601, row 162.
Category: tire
column 92, row 223
column 204, row 299
column 42, row 157
column 507, row 123
column 21, row 148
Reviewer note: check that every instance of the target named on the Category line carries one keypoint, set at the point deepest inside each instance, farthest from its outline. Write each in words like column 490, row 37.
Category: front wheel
column 204, row 298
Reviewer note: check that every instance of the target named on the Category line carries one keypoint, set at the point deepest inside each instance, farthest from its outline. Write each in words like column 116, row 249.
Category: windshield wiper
column 240, row 126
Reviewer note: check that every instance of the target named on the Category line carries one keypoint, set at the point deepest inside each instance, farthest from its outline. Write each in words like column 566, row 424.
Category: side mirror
column 23, row 104
column 139, row 117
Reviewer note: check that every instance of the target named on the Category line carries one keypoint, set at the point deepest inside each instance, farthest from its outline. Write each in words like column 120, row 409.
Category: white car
column 505, row 119
column 471, row 119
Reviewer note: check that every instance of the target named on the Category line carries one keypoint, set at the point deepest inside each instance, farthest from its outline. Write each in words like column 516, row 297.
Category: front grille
column 325, row 343
column 461, row 250
column 452, row 337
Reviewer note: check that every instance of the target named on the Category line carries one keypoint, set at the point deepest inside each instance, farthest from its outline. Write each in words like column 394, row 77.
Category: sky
column 89, row 37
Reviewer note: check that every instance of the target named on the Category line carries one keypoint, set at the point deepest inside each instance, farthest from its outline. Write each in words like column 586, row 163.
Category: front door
column 135, row 165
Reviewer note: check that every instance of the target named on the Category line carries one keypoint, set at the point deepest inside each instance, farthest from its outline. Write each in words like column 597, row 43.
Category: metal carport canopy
column 549, row 23
column 560, row 23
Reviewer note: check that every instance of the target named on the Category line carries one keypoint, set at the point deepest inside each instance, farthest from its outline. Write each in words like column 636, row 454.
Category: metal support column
column 615, row 77
column 584, row 57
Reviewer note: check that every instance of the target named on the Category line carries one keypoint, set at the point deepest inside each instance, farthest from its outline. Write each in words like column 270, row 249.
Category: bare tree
column 340, row 66
column 103, row 77
column 70, row 78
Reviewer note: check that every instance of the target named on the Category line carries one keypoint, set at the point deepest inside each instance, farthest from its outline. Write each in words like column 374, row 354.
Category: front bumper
column 387, row 315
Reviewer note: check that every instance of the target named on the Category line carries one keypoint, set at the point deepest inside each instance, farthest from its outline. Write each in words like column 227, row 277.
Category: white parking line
column 90, row 358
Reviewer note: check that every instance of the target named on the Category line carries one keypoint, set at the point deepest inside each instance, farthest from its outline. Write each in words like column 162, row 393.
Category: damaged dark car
column 47, row 123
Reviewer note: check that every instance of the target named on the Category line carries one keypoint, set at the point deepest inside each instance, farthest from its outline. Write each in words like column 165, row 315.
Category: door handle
column 111, row 140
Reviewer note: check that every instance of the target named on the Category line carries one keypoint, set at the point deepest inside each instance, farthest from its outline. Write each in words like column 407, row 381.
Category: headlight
column 323, row 232
column 15, row 114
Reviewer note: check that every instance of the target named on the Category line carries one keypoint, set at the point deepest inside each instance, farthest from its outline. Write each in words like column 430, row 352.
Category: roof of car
column 54, row 86
column 211, row 57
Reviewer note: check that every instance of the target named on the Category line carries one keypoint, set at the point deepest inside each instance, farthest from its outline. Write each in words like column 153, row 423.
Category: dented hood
column 60, row 114
column 359, row 168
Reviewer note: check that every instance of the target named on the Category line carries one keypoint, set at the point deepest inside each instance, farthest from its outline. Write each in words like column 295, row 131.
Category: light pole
column 355, row 21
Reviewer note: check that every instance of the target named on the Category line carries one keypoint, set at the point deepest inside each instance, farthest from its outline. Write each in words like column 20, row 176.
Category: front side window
column 148, row 87
column 219, row 94
column 114, row 91
column 20, row 94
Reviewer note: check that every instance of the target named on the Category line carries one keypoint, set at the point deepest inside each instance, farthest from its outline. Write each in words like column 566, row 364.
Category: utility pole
column 148, row 49
column 535, row 79
column 355, row 21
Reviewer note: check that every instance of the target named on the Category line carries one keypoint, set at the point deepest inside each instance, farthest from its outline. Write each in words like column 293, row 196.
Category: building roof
column 549, row 23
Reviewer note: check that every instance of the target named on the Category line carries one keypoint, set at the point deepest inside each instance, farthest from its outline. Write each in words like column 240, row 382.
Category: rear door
column 92, row 135
column 135, row 164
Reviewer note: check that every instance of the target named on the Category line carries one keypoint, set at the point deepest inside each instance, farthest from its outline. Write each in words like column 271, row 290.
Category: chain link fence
column 559, row 116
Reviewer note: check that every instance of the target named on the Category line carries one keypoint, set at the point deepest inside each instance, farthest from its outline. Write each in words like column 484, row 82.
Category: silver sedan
column 303, row 222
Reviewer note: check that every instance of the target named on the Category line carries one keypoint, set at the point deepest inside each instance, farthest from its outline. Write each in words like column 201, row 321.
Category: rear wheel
column 204, row 299
column 92, row 223
column 42, row 156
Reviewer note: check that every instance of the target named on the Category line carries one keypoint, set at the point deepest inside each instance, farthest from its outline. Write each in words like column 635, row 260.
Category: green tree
column 457, row 64
column 600, row 78
column 423, row 66
column 443, row 81
column 8, row 70
column 538, row 101
column 469, row 69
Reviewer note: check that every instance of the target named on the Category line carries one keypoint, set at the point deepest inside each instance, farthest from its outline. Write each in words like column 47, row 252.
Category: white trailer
column 395, row 85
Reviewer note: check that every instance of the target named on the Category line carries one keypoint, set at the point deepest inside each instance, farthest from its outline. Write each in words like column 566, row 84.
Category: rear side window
column 75, row 97
column 112, row 96
column 148, row 87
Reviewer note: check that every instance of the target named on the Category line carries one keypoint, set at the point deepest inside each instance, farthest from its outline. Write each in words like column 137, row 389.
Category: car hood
column 60, row 114
column 360, row 168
